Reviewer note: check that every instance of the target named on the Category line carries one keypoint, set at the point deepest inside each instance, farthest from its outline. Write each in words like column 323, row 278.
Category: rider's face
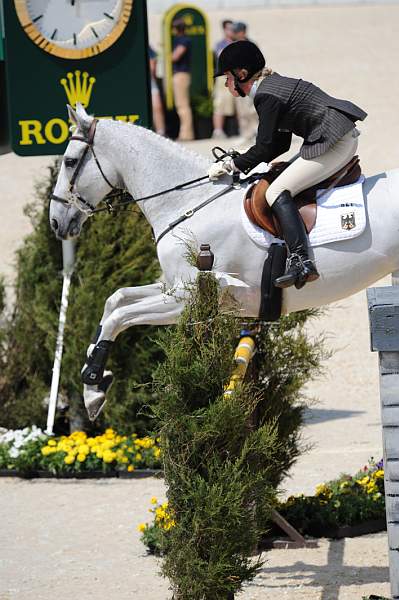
column 231, row 85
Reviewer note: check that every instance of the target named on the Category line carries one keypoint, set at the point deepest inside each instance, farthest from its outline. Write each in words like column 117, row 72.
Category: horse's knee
column 113, row 301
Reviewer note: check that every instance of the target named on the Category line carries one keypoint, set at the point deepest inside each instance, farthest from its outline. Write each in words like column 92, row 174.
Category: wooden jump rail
column 383, row 304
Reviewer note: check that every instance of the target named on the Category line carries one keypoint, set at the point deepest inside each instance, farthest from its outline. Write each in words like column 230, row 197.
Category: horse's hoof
column 93, row 370
column 94, row 395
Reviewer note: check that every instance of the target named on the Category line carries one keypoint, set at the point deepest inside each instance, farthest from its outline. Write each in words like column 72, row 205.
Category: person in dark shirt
column 286, row 105
column 181, row 59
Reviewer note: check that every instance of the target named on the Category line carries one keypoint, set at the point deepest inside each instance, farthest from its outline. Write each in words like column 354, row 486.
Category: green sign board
column 1, row 32
column 197, row 29
column 102, row 66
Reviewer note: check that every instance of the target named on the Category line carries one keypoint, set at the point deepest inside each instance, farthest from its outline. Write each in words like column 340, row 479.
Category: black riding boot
column 299, row 268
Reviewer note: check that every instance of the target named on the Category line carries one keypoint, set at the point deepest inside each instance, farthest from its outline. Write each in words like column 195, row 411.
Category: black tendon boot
column 299, row 268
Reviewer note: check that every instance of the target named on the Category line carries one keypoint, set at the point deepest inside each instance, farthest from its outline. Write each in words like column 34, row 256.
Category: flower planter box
column 346, row 531
column 9, row 473
column 140, row 473
column 137, row 474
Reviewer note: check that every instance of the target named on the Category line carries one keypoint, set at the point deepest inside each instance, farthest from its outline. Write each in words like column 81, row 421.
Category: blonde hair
column 263, row 73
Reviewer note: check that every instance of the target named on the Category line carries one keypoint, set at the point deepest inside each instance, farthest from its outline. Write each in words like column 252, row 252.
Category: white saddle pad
column 341, row 215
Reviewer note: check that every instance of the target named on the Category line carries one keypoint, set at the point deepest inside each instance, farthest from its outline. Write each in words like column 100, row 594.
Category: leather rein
column 127, row 198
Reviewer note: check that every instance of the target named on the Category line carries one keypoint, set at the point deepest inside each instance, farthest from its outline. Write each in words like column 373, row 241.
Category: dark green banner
column 197, row 29
column 111, row 83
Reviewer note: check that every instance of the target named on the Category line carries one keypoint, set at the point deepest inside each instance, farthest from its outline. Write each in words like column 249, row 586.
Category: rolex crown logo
column 78, row 87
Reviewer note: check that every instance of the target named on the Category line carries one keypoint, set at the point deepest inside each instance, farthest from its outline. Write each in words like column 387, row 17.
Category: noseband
column 89, row 145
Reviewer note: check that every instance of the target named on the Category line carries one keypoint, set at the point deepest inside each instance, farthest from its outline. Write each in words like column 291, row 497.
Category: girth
column 260, row 213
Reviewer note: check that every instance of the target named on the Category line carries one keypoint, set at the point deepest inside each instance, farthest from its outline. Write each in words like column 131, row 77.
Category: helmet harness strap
column 237, row 82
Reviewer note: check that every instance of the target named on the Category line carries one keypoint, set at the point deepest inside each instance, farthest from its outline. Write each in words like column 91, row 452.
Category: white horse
column 144, row 163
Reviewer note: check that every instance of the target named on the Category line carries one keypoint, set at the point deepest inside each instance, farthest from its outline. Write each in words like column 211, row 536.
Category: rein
column 218, row 153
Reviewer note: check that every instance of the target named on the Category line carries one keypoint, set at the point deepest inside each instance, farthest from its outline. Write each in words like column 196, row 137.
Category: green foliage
column 112, row 252
column 285, row 360
column 202, row 105
column 220, row 469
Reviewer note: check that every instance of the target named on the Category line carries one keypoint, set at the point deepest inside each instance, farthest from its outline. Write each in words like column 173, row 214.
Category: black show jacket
column 285, row 106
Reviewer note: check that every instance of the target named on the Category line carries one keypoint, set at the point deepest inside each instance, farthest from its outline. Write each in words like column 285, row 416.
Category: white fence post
column 68, row 259
column 384, row 328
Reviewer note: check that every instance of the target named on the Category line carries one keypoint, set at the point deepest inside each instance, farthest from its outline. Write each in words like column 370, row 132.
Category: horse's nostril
column 54, row 224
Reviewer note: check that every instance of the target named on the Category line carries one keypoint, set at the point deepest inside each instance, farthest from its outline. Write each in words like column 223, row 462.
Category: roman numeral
column 74, row 39
column 54, row 34
column 37, row 18
column 109, row 16
column 94, row 31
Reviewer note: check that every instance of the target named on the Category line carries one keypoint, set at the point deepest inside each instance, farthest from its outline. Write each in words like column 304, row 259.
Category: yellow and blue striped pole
column 243, row 354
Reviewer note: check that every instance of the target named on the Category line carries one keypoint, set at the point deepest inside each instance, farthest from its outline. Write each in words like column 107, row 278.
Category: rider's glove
column 220, row 168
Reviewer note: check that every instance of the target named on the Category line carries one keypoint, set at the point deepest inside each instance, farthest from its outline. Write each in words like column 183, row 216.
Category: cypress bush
column 221, row 471
column 112, row 252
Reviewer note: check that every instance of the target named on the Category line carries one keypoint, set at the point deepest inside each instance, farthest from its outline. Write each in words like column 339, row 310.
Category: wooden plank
column 394, row 572
column 392, row 469
column 390, row 416
column 391, row 443
column 389, row 389
column 391, row 487
column 392, row 508
column 389, row 363
column 383, row 306
column 393, row 536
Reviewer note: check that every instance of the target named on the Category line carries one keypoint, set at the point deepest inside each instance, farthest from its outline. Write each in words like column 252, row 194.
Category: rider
column 285, row 106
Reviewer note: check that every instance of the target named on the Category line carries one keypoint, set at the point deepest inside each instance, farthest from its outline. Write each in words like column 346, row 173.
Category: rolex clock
column 74, row 29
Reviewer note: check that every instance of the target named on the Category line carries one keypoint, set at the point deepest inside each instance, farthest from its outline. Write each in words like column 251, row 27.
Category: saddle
column 259, row 212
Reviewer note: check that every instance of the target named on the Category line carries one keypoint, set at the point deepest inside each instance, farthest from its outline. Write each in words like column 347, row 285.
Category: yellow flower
column 154, row 500
column 157, row 452
column 51, row 443
column 142, row 527
column 379, row 474
column 363, row 481
column 84, row 449
column 46, row 450
column 69, row 459
column 130, row 468
column 81, row 457
column 138, row 457
column 108, row 456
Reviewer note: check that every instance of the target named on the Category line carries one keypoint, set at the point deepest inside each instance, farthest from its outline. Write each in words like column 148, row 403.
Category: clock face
column 74, row 28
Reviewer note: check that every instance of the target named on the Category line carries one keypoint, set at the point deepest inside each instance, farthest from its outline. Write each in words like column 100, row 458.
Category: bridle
column 75, row 198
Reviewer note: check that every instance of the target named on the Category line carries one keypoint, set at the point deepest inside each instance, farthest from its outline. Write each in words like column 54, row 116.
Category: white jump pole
column 68, row 259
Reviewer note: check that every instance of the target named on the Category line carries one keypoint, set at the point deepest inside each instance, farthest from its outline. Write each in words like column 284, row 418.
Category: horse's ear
column 83, row 119
column 72, row 115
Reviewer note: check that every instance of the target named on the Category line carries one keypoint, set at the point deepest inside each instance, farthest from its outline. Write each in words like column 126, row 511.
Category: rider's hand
column 220, row 168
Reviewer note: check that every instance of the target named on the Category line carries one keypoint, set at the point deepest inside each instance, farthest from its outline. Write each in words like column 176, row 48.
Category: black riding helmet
column 240, row 55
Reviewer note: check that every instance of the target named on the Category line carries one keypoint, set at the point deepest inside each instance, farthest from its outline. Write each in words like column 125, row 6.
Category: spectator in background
column 246, row 113
column 157, row 108
column 181, row 59
column 239, row 31
column 223, row 101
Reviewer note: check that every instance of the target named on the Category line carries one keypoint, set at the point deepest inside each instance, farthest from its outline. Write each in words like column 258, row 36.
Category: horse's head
column 84, row 179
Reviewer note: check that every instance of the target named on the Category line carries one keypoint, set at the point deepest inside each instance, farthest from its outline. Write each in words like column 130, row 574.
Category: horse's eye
column 70, row 162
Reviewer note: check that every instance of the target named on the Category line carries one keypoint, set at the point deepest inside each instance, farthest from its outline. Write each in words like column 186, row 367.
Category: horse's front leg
column 160, row 309
column 120, row 298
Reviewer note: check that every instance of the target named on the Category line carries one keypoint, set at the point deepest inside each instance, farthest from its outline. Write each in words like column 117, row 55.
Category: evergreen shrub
column 221, row 467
